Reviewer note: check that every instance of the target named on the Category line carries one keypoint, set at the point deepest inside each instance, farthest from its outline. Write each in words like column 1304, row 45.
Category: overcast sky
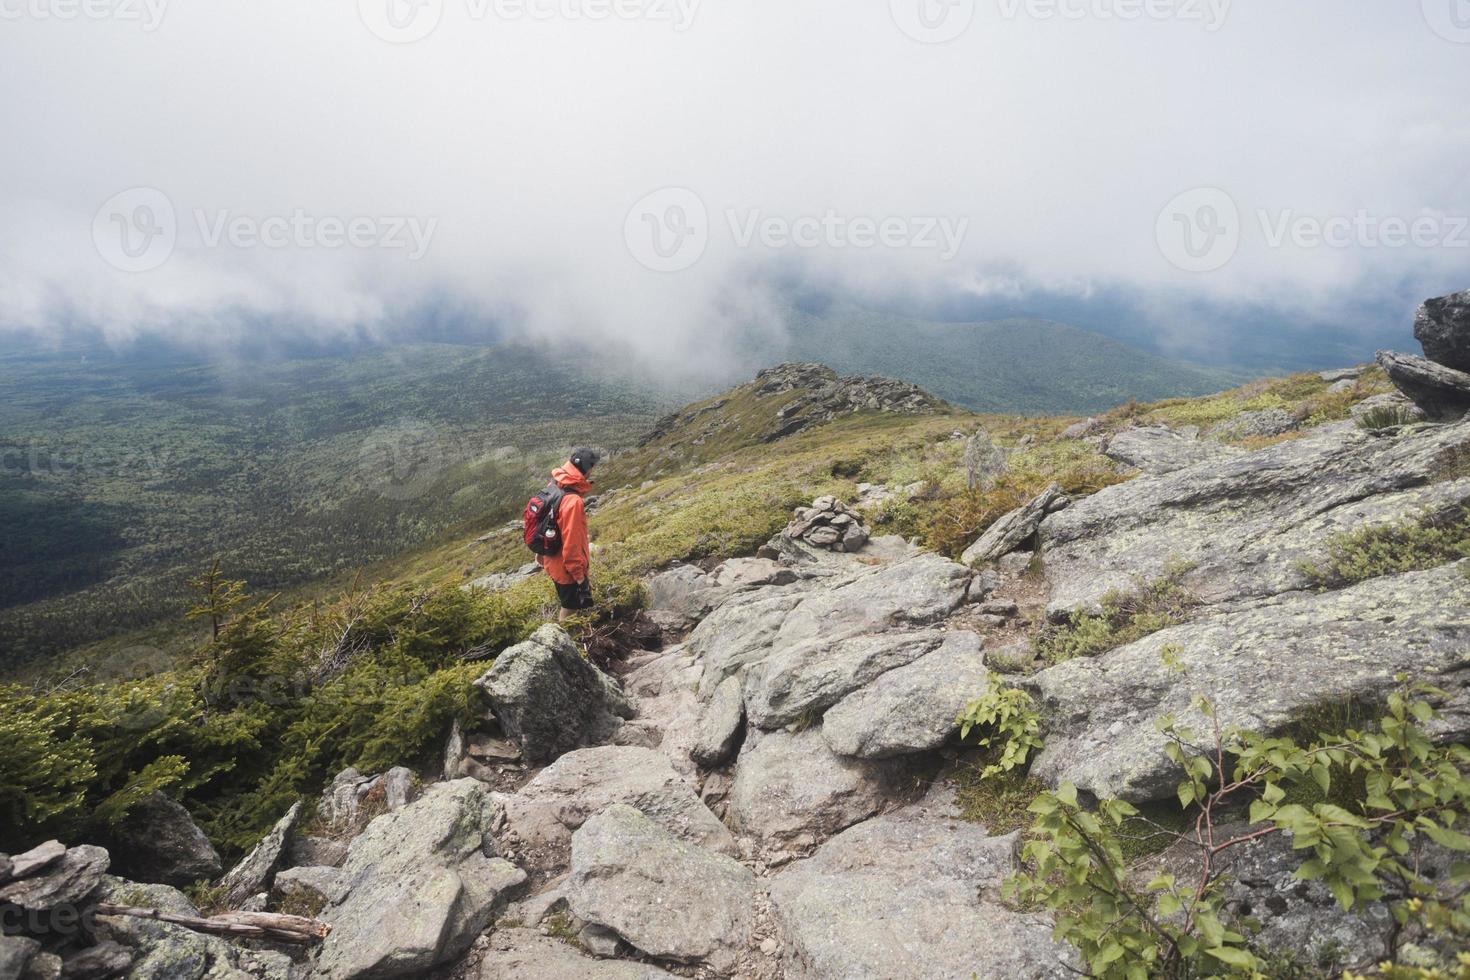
column 642, row 168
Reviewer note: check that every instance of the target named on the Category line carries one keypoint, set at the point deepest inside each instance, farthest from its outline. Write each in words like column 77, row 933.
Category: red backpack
column 543, row 535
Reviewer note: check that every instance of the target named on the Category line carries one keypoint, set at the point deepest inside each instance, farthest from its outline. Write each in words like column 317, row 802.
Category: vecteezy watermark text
column 406, row 21
column 938, row 21
column 138, row 229
column 1202, row 230
column 670, row 229
column 148, row 14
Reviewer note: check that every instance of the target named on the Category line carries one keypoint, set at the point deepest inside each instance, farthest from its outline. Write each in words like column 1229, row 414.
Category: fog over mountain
column 1253, row 184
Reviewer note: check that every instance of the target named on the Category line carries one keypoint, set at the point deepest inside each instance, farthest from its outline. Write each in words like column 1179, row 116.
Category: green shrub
column 273, row 706
column 1125, row 617
column 1010, row 724
column 1076, row 866
column 1392, row 549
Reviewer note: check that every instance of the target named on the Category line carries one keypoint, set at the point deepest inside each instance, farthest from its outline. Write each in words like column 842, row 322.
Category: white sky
column 522, row 142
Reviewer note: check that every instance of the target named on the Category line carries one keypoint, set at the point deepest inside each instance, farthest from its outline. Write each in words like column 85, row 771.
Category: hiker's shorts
column 575, row 596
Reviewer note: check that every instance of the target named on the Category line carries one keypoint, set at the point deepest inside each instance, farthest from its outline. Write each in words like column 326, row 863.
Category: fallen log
column 238, row 925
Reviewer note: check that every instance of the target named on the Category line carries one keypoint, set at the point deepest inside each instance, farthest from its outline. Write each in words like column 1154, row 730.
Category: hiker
column 556, row 529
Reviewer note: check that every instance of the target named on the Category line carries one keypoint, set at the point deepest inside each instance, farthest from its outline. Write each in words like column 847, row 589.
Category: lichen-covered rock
column 1099, row 713
column 1245, row 527
column 254, row 873
column 681, row 596
column 419, row 887
column 316, row 852
column 664, row 896
column 791, row 792
column 859, row 600
column 1012, row 530
column 1442, row 327
column 1266, row 423
column 319, row 885
column 525, row 954
column 912, row 708
column 62, row 882
column 799, row 681
column 159, row 841
column 719, row 727
column 15, row 952
column 549, row 699
column 537, row 822
column 1442, row 392
column 911, row 894
column 1159, row 449
column 98, row 962
column 169, row 952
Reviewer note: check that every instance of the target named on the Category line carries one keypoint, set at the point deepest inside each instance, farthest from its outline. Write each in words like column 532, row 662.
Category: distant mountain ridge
column 1022, row 366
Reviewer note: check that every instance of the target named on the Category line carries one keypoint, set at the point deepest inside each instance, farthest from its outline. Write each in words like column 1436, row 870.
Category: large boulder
column 419, row 887
column 720, row 725
column 857, row 600
column 1245, row 527
column 681, row 596
column 1012, row 530
column 525, row 954
column 255, row 872
column 1442, row 392
column 911, row 894
column 1442, row 328
column 790, row 792
column 912, row 708
column 1315, row 649
column 800, row 681
column 159, row 842
column 664, row 896
column 549, row 699
column 1158, row 449
column 537, row 822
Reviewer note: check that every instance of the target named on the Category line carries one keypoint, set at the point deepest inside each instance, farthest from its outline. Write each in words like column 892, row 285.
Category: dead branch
column 239, row 925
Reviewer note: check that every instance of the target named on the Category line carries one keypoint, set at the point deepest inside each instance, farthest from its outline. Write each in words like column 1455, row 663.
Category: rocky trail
column 770, row 794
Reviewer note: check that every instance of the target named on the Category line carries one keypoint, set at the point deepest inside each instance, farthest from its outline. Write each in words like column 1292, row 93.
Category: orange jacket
column 570, row 567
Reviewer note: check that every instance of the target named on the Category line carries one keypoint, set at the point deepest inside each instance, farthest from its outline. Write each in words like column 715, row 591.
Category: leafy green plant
column 1424, row 542
column 1011, row 725
column 1416, row 791
column 1125, row 617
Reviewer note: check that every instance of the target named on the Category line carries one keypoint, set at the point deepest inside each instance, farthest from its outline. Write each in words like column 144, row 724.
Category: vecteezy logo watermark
column 406, row 21
column 405, row 460
column 36, row 461
column 1363, row 229
column 146, row 13
column 668, row 231
column 1202, row 230
column 1450, row 19
column 138, row 230
column 932, row 21
column 1199, row 231
column 1211, row 14
column 401, row 21
column 145, row 695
